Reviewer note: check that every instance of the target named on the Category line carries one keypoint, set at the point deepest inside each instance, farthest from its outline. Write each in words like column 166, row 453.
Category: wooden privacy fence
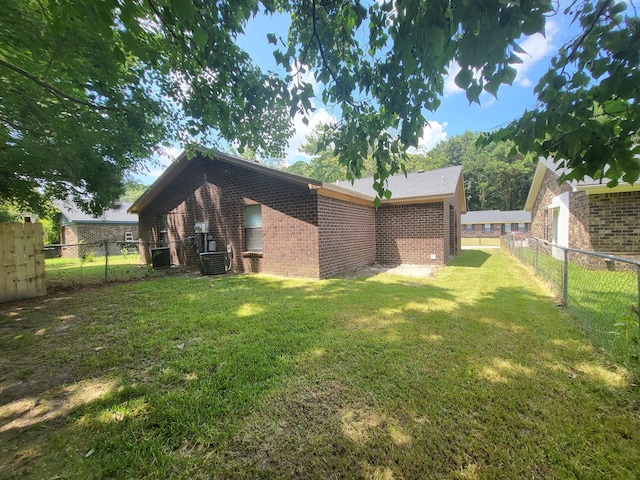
column 22, row 273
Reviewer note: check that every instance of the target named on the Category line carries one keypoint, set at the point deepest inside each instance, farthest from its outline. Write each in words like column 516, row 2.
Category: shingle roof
column 496, row 216
column 431, row 183
column 114, row 215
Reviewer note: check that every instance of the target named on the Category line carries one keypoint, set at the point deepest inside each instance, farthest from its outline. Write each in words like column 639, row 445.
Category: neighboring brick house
column 80, row 232
column 494, row 223
column 285, row 224
column 585, row 215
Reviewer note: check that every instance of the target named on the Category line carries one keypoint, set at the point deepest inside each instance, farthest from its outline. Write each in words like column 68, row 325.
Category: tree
column 588, row 109
column 495, row 177
column 90, row 90
column 132, row 190
column 95, row 87
column 324, row 165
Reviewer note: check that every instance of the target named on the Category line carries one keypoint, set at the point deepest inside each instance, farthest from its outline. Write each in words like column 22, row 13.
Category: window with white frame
column 487, row 228
column 469, row 228
column 253, row 228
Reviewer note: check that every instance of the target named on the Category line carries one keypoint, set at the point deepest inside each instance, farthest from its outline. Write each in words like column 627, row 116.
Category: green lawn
column 480, row 241
column 69, row 272
column 472, row 374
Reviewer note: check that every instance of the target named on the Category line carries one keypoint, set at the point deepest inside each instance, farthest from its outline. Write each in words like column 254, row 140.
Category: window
column 506, row 228
column 487, row 228
column 469, row 228
column 523, row 227
column 128, row 236
column 163, row 229
column 253, row 228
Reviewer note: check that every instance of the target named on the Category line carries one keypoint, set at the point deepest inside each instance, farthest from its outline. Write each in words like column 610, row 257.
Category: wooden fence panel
column 22, row 272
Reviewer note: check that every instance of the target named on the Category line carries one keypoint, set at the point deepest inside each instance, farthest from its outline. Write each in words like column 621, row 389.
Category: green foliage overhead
column 90, row 89
column 588, row 109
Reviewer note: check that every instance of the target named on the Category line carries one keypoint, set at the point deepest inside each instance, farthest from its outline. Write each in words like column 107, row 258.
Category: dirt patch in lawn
column 404, row 270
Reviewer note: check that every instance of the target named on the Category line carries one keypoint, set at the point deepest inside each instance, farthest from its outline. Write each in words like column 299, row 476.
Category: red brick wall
column 452, row 228
column 606, row 223
column 478, row 233
column 93, row 236
column 411, row 233
column 614, row 224
column 579, row 219
column 216, row 192
column 347, row 234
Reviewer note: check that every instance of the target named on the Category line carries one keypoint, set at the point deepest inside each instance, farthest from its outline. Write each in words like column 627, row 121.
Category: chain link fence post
column 638, row 306
column 565, row 278
column 106, row 261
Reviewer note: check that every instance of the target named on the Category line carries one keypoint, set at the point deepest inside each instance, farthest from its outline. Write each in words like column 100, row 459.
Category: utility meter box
column 201, row 227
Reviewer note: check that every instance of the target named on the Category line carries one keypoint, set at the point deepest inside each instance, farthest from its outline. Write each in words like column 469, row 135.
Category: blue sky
column 455, row 115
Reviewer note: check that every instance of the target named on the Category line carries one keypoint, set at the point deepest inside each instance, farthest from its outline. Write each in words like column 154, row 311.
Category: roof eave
column 420, row 199
column 538, row 176
column 595, row 189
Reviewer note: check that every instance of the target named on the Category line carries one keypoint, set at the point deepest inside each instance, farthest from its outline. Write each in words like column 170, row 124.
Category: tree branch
column 55, row 90
column 583, row 37
column 322, row 54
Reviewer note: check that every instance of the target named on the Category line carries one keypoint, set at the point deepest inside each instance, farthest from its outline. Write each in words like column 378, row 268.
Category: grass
column 472, row 374
column 484, row 241
column 69, row 272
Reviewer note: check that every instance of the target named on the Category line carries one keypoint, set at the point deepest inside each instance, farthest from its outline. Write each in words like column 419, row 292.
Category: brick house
column 585, row 215
column 115, row 226
column 494, row 223
column 286, row 224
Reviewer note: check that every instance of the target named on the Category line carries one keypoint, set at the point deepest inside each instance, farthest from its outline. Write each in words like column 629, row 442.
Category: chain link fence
column 92, row 263
column 601, row 291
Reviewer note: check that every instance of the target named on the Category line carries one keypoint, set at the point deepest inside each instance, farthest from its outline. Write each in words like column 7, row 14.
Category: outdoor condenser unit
column 213, row 263
column 160, row 257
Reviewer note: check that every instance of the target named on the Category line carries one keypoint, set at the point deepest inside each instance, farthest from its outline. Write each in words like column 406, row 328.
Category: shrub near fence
column 91, row 266
column 601, row 291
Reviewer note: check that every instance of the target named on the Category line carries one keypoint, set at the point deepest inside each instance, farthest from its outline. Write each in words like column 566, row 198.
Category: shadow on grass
column 259, row 377
column 470, row 258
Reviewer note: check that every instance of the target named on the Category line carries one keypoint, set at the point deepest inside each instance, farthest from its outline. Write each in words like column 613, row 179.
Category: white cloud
column 433, row 133
column 537, row 47
column 450, row 86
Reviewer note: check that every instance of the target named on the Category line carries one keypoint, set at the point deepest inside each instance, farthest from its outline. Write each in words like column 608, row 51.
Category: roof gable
column 418, row 186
